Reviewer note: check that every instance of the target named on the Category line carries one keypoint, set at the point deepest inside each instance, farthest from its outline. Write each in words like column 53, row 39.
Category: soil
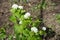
column 52, row 8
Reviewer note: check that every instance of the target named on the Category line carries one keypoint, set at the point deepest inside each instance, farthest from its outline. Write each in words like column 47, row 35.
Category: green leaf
column 10, row 37
column 2, row 30
column 58, row 18
column 12, row 18
column 13, row 10
column 36, row 23
column 2, row 35
column 18, row 13
column 23, row 38
column 32, row 38
column 22, row 11
column 18, row 28
column 18, row 36
column 26, row 32
column 31, row 33
column 41, row 32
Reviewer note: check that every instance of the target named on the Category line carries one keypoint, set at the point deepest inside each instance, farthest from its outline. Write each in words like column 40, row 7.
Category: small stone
column 53, row 14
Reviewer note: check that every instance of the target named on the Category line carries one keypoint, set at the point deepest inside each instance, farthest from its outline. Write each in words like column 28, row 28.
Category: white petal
column 44, row 28
column 34, row 29
column 14, row 37
column 21, row 7
column 20, row 22
column 27, row 15
column 15, row 6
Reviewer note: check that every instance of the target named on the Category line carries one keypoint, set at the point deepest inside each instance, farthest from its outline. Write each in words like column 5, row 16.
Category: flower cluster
column 34, row 29
column 15, row 6
column 22, row 20
column 27, row 15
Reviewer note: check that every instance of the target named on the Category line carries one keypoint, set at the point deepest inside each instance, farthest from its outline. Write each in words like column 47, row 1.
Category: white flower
column 21, row 7
column 14, row 37
column 44, row 28
column 34, row 29
column 20, row 22
column 15, row 6
column 27, row 15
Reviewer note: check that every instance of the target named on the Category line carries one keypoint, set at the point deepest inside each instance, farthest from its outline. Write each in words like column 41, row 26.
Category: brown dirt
column 53, row 7
column 4, row 16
